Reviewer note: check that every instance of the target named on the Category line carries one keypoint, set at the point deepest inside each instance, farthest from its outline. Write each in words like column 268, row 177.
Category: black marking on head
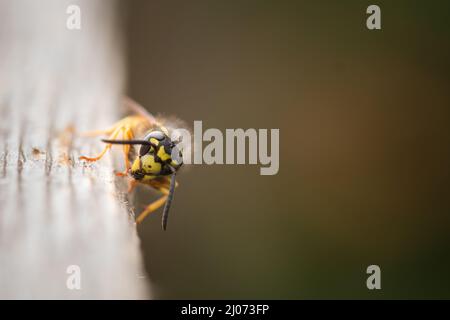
column 145, row 148
column 138, row 175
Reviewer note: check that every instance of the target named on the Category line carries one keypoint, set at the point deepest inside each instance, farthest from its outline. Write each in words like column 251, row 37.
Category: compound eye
column 177, row 156
column 158, row 135
column 144, row 149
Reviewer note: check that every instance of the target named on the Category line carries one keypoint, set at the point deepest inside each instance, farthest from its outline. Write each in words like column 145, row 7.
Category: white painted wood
column 56, row 211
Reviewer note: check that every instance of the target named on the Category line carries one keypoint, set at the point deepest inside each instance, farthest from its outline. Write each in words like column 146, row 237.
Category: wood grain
column 56, row 211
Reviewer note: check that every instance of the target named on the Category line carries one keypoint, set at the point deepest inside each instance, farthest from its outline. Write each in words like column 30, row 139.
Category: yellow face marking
column 149, row 165
column 154, row 141
column 136, row 165
column 147, row 178
column 162, row 154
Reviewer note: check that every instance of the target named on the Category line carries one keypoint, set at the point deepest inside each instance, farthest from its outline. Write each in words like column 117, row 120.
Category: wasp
column 157, row 162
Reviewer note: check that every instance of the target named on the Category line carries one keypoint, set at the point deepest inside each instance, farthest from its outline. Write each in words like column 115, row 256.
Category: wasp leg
column 127, row 134
column 163, row 187
column 152, row 207
column 129, row 127
column 107, row 147
column 132, row 185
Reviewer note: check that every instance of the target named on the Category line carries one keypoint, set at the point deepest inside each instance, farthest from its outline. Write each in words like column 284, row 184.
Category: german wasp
column 158, row 159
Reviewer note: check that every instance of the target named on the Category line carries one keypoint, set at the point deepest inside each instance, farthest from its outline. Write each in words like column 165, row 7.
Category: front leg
column 162, row 186
column 152, row 207
column 128, row 128
column 113, row 136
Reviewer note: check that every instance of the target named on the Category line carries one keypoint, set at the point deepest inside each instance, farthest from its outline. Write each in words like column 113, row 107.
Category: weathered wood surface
column 56, row 211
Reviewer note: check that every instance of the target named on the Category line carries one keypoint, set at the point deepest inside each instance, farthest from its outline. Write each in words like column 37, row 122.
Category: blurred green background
column 364, row 146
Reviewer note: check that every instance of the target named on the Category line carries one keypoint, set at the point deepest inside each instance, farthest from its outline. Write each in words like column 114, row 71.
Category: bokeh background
column 364, row 146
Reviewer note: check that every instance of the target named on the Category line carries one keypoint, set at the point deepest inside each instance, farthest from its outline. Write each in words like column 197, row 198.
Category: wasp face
column 146, row 166
column 158, row 158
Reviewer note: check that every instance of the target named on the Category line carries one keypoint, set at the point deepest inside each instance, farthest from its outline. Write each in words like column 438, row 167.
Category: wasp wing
column 137, row 108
